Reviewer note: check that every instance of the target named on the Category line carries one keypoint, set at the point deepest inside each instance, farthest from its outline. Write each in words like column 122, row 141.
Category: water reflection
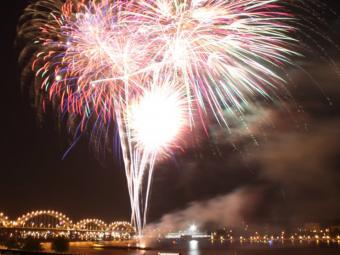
column 206, row 247
column 193, row 247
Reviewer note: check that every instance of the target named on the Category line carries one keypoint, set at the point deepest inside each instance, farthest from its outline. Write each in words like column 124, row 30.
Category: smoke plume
column 227, row 210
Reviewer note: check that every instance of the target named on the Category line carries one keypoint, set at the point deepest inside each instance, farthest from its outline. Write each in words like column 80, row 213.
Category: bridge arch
column 3, row 220
column 91, row 224
column 43, row 219
column 122, row 227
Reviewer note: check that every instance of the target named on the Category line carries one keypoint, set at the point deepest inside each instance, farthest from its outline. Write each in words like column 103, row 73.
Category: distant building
column 311, row 227
column 335, row 229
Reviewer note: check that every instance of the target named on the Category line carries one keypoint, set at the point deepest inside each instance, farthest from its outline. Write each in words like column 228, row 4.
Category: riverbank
column 20, row 252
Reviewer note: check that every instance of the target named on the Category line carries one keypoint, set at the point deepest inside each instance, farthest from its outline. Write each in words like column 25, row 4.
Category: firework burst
column 154, row 67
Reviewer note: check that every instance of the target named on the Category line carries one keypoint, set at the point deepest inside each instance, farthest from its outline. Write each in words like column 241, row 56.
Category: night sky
column 292, row 167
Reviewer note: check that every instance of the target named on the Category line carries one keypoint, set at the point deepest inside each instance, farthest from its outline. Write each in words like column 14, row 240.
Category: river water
column 204, row 247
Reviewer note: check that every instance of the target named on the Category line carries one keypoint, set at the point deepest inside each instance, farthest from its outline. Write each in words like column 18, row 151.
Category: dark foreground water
column 207, row 248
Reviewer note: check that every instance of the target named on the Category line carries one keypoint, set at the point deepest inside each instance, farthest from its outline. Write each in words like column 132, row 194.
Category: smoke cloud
column 227, row 210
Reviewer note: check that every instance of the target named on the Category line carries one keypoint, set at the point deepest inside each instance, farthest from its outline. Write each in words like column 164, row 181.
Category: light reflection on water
column 194, row 247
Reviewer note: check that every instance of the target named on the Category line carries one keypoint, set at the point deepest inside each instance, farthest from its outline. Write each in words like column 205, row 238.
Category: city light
column 193, row 228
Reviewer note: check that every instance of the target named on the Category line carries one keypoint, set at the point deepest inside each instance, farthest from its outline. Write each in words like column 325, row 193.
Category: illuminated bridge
column 48, row 224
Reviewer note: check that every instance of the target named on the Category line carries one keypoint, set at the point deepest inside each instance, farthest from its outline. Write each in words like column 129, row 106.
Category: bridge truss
column 48, row 224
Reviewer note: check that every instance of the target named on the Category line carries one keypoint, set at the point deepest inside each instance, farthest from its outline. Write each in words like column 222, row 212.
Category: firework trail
column 151, row 68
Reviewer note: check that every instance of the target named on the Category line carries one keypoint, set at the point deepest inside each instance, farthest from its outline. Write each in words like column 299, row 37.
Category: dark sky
column 294, row 169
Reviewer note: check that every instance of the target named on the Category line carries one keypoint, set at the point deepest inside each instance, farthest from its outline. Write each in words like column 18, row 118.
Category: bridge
column 49, row 224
